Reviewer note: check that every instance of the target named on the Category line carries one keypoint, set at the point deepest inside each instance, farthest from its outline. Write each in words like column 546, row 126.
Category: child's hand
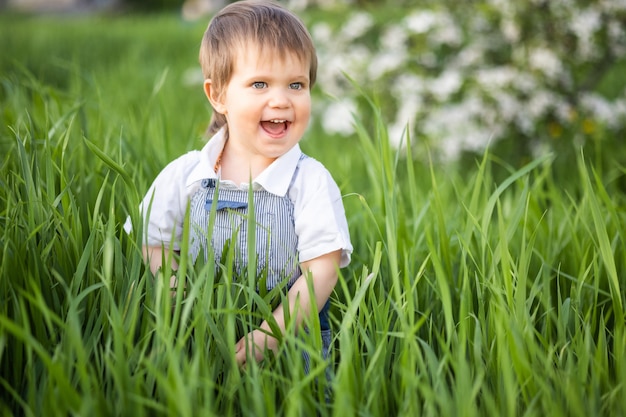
column 257, row 342
column 174, row 286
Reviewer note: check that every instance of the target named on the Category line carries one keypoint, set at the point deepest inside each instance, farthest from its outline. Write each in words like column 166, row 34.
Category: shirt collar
column 275, row 179
column 208, row 156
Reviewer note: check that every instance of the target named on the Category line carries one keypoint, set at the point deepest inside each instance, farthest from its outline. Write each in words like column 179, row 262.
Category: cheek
column 304, row 105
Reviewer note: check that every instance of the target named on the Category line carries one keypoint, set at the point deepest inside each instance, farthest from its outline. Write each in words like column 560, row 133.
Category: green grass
column 495, row 290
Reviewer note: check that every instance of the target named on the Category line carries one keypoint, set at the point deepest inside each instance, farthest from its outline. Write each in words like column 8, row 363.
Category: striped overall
column 276, row 239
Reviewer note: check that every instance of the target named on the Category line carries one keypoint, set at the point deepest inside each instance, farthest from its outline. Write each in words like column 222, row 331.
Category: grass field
column 493, row 290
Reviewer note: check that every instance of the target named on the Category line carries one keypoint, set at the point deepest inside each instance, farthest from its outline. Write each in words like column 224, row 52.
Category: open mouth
column 275, row 127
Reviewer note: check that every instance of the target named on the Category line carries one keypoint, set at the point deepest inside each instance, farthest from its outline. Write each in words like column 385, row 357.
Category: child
column 259, row 66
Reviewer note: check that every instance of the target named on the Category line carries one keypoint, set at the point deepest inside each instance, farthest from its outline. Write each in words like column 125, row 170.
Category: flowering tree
column 462, row 75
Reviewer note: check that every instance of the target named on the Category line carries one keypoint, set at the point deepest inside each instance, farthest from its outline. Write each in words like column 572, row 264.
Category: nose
column 279, row 99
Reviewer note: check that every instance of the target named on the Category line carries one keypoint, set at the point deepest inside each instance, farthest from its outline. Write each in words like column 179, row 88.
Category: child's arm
column 154, row 255
column 323, row 271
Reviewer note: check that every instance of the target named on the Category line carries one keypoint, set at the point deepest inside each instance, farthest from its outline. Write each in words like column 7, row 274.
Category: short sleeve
column 164, row 205
column 319, row 215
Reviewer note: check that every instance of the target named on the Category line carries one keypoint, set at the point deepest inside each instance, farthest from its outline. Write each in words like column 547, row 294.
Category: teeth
column 277, row 121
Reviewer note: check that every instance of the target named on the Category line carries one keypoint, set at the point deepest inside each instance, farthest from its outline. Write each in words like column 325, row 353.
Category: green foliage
column 153, row 5
column 527, row 76
column 475, row 289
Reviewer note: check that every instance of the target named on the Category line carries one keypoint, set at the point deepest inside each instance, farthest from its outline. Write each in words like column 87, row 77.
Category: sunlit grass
column 470, row 292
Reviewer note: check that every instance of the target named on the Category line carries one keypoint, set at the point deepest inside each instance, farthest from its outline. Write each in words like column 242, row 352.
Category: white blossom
column 406, row 85
column 446, row 84
column 585, row 25
column 394, row 38
column 384, row 62
column 447, row 32
column 405, row 115
column 544, row 60
column 322, row 34
column 563, row 110
column 338, row 117
column 469, row 79
column 455, row 127
column 420, row 21
column 603, row 110
column 617, row 38
column 510, row 29
column 614, row 6
column 471, row 55
column 496, row 77
column 508, row 105
column 357, row 25
column 539, row 103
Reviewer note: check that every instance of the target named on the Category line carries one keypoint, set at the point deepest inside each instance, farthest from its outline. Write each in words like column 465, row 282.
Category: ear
column 214, row 96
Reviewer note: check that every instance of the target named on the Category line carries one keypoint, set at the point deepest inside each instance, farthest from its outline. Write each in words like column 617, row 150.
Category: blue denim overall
column 276, row 239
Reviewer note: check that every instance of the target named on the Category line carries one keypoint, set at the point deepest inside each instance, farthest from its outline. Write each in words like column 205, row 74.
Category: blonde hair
column 264, row 23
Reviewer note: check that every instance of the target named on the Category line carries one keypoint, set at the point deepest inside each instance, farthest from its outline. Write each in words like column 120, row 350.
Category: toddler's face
column 267, row 102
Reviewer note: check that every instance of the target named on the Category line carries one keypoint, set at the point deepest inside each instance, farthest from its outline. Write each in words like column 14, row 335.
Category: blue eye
column 259, row 84
column 296, row 86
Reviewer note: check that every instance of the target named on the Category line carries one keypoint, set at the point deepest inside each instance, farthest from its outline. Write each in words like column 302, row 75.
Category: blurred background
column 450, row 78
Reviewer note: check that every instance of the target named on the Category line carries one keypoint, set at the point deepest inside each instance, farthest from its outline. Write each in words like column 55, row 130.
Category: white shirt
column 319, row 216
